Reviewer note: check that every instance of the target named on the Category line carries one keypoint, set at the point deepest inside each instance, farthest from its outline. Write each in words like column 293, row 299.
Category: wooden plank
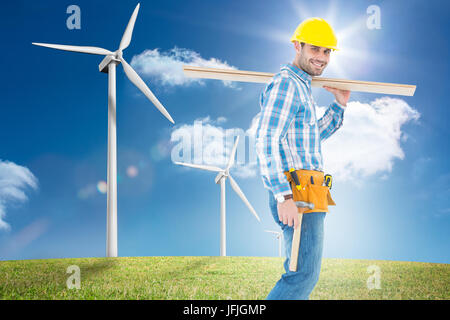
column 264, row 77
column 227, row 74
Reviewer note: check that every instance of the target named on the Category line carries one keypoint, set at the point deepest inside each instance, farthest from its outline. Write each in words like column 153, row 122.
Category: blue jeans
column 299, row 285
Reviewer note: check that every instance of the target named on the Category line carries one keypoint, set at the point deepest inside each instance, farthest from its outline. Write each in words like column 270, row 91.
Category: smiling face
column 311, row 59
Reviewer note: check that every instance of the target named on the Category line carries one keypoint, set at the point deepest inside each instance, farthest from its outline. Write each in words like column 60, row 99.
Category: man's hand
column 341, row 96
column 288, row 212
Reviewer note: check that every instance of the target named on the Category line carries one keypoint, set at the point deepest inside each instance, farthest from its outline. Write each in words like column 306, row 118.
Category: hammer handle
column 296, row 244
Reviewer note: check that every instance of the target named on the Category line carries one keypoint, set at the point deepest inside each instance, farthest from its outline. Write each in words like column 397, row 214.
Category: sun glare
column 352, row 55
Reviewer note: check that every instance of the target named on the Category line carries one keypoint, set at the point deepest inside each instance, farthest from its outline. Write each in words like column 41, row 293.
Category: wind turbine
column 221, row 178
column 278, row 236
column 108, row 65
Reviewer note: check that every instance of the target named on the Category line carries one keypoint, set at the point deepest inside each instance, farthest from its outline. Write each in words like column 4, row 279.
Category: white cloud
column 14, row 179
column 369, row 140
column 167, row 67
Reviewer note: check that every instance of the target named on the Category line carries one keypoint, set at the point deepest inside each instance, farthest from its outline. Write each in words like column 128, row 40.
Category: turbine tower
column 221, row 178
column 108, row 65
column 278, row 236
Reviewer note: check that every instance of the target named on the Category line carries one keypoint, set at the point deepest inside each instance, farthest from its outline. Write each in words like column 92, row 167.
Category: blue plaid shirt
column 289, row 134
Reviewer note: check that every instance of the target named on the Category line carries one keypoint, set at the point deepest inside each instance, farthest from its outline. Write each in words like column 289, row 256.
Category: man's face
column 312, row 59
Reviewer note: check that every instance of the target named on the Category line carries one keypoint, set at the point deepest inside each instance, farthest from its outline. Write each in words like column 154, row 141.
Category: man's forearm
column 331, row 121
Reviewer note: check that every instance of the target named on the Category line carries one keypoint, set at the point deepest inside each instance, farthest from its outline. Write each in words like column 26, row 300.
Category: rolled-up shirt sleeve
column 331, row 120
column 280, row 102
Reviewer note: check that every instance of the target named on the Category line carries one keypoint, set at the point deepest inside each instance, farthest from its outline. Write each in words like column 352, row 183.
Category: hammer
column 296, row 237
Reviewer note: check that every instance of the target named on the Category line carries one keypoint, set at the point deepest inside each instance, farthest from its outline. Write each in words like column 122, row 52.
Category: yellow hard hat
column 317, row 32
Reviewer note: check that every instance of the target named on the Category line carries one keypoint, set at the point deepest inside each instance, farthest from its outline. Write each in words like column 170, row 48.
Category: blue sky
column 389, row 161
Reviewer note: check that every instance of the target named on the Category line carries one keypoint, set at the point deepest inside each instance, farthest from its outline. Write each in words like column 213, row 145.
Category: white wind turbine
column 221, row 178
column 278, row 236
column 108, row 65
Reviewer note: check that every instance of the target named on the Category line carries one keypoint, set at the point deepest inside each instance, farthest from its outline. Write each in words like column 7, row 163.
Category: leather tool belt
column 312, row 189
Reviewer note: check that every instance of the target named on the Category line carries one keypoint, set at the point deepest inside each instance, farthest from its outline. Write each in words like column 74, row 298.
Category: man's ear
column 297, row 46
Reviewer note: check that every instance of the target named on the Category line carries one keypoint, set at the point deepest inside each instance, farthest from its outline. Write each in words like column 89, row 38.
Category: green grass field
column 214, row 278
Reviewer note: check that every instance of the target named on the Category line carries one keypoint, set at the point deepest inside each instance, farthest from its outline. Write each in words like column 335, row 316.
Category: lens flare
column 102, row 187
column 132, row 171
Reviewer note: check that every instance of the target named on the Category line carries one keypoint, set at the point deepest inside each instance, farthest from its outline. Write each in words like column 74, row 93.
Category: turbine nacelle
column 223, row 174
column 103, row 66
column 276, row 233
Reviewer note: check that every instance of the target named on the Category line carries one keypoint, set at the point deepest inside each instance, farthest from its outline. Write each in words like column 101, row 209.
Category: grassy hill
column 214, row 278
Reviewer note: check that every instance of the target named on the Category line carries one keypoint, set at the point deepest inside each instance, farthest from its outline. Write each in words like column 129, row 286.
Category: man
column 289, row 136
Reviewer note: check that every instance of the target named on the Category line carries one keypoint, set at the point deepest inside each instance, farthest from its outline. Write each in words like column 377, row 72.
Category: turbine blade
column 233, row 153
column 238, row 190
column 138, row 82
column 126, row 38
column 199, row 166
column 90, row 50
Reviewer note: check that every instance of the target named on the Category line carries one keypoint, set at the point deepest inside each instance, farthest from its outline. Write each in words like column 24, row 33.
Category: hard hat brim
column 315, row 43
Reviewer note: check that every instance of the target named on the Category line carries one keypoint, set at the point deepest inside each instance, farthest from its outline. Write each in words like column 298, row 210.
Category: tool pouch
column 311, row 192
